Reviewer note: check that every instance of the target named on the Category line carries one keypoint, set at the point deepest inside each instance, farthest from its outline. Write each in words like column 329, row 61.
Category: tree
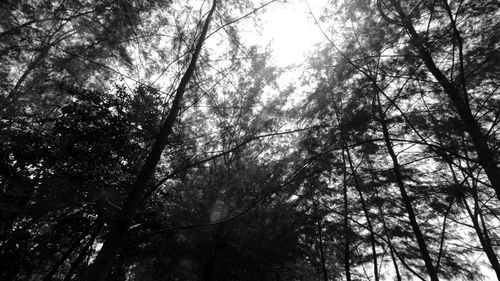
column 67, row 174
column 104, row 260
column 45, row 42
column 145, row 140
column 391, row 75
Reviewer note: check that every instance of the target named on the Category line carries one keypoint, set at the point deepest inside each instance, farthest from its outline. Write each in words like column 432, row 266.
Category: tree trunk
column 104, row 261
column 320, row 242
column 479, row 140
column 483, row 239
column 365, row 211
column 347, row 242
column 389, row 240
column 424, row 252
column 393, row 256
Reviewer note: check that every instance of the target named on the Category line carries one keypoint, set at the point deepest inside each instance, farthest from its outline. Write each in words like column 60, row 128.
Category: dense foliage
column 144, row 140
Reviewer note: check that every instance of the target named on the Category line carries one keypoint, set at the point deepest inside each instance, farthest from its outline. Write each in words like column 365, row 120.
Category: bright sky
column 291, row 29
column 287, row 27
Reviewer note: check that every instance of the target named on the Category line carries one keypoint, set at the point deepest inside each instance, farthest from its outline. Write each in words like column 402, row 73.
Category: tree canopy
column 152, row 140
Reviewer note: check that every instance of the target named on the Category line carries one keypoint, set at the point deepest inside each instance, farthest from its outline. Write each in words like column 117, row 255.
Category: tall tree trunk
column 483, row 237
column 104, row 261
column 321, row 250
column 31, row 66
column 459, row 99
column 347, row 251
column 424, row 252
column 392, row 251
column 365, row 211
column 389, row 240
column 487, row 239
column 443, row 234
